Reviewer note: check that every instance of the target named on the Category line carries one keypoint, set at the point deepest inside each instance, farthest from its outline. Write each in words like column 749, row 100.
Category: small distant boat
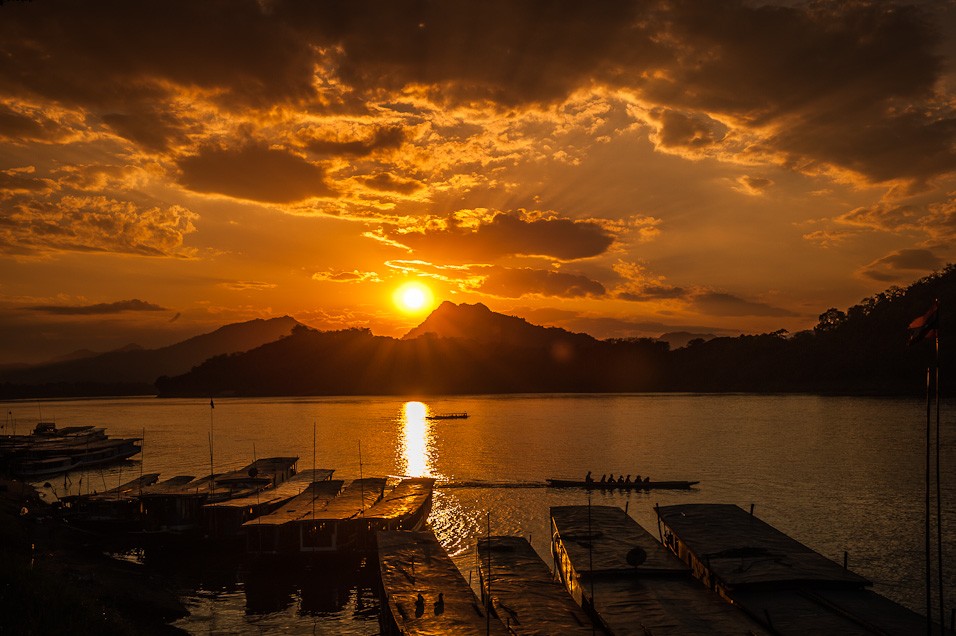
column 614, row 485
column 447, row 416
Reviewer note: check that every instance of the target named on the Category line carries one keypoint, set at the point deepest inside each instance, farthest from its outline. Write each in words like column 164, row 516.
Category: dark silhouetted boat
column 447, row 416
column 614, row 485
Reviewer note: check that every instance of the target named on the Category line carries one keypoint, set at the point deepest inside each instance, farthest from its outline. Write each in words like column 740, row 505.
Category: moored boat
column 447, row 416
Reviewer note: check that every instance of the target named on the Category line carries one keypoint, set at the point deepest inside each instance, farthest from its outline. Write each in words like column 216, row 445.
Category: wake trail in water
column 491, row 484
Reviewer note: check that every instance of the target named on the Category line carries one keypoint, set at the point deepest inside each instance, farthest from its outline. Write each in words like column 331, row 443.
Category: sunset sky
column 622, row 169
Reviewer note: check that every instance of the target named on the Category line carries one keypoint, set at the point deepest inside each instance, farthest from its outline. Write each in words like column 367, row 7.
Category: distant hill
column 678, row 339
column 134, row 366
column 477, row 322
column 463, row 349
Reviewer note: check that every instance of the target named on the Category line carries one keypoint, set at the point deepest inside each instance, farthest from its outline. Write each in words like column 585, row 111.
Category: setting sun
column 413, row 297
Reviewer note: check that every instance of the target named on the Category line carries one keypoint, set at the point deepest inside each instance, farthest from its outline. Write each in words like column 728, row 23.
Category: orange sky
column 623, row 169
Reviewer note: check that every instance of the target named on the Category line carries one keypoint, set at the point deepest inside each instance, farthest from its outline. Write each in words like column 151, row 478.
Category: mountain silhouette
column 134, row 366
column 477, row 322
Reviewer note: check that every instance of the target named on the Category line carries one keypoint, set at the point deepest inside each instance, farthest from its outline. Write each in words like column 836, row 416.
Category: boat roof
column 284, row 491
column 612, row 537
column 525, row 593
column 358, row 496
column 263, row 469
column 405, row 498
column 301, row 506
column 414, row 563
column 130, row 489
column 659, row 596
column 740, row 549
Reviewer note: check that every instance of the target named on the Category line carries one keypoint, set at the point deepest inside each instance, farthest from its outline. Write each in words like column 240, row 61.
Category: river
column 836, row 473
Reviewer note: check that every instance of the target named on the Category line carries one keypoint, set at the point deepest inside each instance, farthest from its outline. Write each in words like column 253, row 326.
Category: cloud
column 22, row 181
column 247, row 285
column 117, row 307
column 689, row 132
column 383, row 138
column 95, row 223
column 901, row 265
column 722, row 304
column 639, row 286
column 388, row 182
column 516, row 282
column 355, row 276
column 253, row 172
column 508, row 234
column 25, row 125
column 752, row 186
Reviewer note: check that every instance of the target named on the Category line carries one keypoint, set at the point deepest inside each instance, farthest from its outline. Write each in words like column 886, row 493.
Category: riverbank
column 52, row 583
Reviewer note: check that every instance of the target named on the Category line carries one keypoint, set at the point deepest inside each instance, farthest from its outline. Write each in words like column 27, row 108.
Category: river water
column 836, row 473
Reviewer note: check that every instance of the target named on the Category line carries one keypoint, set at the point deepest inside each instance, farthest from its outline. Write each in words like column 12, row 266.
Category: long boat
column 42, row 460
column 614, row 485
column 225, row 518
column 424, row 592
column 447, row 416
column 786, row 586
column 277, row 533
column 628, row 582
column 524, row 595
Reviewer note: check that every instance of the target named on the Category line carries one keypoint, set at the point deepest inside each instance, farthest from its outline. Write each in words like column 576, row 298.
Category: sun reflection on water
column 417, row 445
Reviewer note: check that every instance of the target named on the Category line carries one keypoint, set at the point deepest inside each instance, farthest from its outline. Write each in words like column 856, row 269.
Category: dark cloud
column 253, row 172
column 98, row 309
column 517, row 282
column 384, row 138
column 720, row 304
column 150, row 128
column 22, row 181
column 507, row 234
column 17, row 126
column 819, row 84
column 388, row 182
column 679, row 130
column 653, row 292
column 901, row 264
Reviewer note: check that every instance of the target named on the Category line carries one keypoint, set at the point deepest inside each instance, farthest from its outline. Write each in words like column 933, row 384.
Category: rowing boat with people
column 615, row 485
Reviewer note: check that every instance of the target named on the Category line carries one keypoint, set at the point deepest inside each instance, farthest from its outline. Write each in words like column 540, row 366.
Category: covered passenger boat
column 782, row 583
column 178, row 510
column 629, row 583
column 277, row 533
column 524, row 595
column 225, row 518
column 404, row 507
column 415, row 566
column 332, row 529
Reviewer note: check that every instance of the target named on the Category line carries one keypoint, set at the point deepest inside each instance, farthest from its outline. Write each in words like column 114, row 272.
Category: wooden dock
column 629, row 583
column 786, row 586
column 525, row 596
column 413, row 563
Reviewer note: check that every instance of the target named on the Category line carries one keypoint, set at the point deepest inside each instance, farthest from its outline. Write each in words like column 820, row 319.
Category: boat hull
column 644, row 485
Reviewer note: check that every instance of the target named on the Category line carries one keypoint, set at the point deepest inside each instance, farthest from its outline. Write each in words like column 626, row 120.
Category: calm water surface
column 838, row 474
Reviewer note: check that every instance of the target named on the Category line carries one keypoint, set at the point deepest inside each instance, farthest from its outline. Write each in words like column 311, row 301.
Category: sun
column 413, row 297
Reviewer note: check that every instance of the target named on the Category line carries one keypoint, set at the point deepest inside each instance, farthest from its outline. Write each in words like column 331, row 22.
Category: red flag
column 927, row 325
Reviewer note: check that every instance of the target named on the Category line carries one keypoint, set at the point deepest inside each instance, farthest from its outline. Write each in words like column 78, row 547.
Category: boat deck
column 413, row 563
column 524, row 594
column 776, row 579
column 630, row 582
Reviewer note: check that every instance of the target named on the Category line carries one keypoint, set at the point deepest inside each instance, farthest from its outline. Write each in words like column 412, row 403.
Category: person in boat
column 610, row 478
column 419, row 605
column 440, row 604
column 587, row 478
column 638, row 481
column 627, row 480
column 603, row 478
column 620, row 480
column 647, row 482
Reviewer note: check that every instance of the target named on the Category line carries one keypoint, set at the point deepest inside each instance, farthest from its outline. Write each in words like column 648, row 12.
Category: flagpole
column 926, row 533
column 939, row 496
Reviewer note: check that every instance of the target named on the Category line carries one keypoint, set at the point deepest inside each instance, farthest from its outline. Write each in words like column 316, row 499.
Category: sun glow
column 413, row 297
